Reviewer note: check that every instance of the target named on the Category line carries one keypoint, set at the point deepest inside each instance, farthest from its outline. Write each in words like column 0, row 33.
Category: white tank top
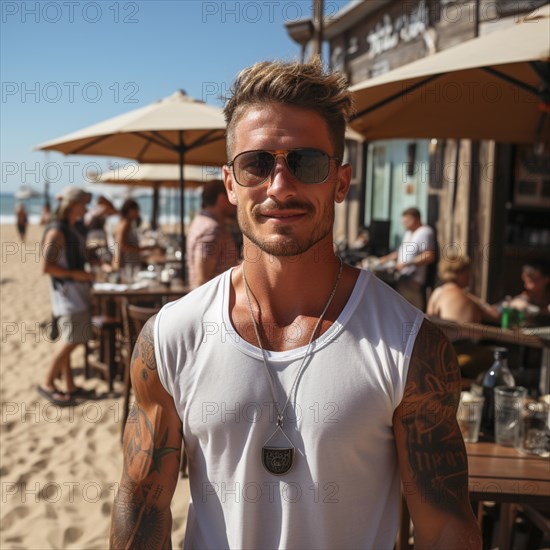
column 344, row 487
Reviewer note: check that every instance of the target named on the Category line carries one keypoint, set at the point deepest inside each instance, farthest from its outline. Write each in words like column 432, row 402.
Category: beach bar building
column 485, row 198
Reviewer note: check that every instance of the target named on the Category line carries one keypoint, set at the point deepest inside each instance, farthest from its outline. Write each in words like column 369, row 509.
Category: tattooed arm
column 152, row 447
column 432, row 456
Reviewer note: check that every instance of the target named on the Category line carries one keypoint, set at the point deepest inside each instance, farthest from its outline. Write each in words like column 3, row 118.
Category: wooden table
column 108, row 319
column 534, row 337
column 107, row 299
column 503, row 475
column 498, row 474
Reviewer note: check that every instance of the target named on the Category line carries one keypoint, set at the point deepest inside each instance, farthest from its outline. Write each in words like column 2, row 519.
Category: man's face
column 283, row 216
column 409, row 222
column 534, row 280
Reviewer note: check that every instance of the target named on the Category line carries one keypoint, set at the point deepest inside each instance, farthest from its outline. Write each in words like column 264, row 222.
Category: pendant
column 278, row 460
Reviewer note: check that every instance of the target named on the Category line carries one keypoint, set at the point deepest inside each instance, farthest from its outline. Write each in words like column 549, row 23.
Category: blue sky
column 68, row 64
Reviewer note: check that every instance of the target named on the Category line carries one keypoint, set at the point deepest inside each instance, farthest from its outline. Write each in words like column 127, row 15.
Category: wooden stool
column 105, row 359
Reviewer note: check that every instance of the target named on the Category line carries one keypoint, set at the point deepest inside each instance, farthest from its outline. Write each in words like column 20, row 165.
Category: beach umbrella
column 177, row 129
column 495, row 87
column 158, row 176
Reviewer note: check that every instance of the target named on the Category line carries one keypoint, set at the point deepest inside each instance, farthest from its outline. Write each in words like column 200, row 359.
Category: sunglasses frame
column 276, row 153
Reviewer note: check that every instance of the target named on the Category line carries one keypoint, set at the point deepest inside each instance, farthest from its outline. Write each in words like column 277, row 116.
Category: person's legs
column 73, row 332
column 60, row 364
column 21, row 229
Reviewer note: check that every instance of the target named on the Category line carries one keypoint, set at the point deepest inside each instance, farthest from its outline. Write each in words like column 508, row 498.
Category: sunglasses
column 252, row 168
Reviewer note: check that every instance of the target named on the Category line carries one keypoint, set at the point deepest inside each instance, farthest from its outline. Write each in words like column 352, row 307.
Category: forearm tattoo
column 436, row 452
column 141, row 513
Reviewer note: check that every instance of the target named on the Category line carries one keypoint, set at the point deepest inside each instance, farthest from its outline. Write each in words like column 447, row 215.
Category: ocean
column 168, row 208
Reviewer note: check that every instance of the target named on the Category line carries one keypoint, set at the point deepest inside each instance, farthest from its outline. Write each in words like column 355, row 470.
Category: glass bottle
column 498, row 375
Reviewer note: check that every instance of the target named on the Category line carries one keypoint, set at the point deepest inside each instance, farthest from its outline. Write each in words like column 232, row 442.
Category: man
column 301, row 387
column 211, row 249
column 415, row 254
column 64, row 259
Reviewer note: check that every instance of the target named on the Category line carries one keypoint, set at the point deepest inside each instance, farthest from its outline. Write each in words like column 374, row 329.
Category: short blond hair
column 304, row 85
column 451, row 266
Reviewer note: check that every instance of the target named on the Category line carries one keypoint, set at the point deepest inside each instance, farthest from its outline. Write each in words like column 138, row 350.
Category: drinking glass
column 469, row 416
column 509, row 403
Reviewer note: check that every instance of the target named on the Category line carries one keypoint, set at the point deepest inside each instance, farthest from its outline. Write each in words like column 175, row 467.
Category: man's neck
column 288, row 286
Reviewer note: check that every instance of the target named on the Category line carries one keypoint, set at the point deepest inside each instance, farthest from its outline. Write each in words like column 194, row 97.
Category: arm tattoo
column 139, row 524
column 436, row 452
column 141, row 515
column 145, row 347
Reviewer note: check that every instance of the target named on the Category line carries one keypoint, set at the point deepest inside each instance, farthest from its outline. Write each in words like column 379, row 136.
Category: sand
column 59, row 467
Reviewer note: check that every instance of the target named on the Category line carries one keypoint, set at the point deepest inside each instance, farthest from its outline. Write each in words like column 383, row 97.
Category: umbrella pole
column 182, row 210
column 155, row 212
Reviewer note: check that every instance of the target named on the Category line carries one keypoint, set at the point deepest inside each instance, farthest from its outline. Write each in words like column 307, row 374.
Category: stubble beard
column 290, row 245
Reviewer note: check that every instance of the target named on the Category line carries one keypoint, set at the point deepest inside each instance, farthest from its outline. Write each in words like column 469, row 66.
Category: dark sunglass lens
column 309, row 165
column 253, row 167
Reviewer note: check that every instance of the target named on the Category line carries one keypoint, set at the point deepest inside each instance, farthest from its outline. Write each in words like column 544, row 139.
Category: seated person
column 452, row 301
column 97, row 238
column 535, row 298
column 415, row 253
column 127, row 248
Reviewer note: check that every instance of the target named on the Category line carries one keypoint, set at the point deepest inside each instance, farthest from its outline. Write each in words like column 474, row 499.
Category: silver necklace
column 278, row 460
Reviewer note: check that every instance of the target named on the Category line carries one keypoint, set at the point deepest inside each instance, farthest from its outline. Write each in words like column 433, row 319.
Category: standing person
column 415, row 254
column 21, row 220
column 46, row 214
column 211, row 248
column 64, row 259
column 302, row 387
